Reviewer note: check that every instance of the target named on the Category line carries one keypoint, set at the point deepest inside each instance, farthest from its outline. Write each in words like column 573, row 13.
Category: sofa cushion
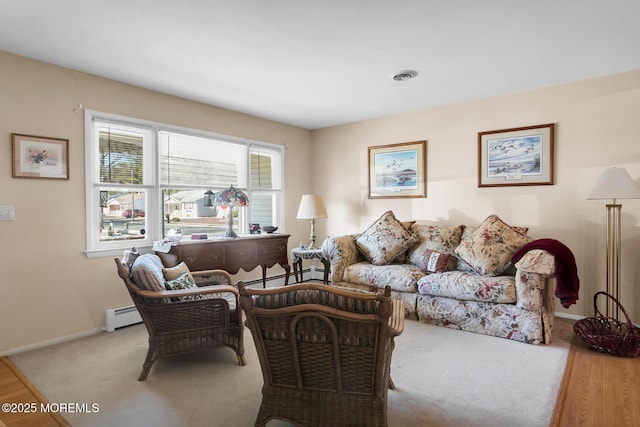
column 400, row 277
column 439, row 238
column 465, row 286
column 147, row 272
column 385, row 240
column 488, row 250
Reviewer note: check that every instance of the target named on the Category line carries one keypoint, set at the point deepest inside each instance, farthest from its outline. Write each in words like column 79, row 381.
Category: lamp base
column 230, row 232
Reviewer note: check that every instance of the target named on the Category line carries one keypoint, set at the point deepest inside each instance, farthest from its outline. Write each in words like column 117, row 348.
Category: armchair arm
column 341, row 252
column 211, row 277
column 202, row 290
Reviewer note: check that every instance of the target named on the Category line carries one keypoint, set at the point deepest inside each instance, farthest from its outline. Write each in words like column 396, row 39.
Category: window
column 145, row 178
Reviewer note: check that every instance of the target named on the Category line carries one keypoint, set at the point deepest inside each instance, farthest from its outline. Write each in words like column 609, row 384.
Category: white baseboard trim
column 47, row 343
column 569, row 316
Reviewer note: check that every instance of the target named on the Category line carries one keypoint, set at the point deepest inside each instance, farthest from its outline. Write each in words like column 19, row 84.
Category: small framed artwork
column 517, row 156
column 398, row 170
column 254, row 228
column 39, row 157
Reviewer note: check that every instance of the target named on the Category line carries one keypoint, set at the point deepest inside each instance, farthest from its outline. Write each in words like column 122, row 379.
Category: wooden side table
column 298, row 254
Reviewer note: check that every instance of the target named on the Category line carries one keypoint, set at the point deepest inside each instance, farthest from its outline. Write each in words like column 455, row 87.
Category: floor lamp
column 311, row 207
column 615, row 183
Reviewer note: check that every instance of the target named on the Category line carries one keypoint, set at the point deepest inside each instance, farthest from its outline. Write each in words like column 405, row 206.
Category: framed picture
column 398, row 170
column 40, row 157
column 518, row 156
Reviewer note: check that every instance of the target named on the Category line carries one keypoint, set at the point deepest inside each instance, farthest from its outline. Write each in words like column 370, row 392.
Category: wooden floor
column 21, row 401
column 597, row 390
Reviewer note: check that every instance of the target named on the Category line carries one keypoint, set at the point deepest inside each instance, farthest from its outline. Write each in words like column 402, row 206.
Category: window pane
column 120, row 154
column 185, row 209
column 264, row 167
column 192, row 160
column 262, row 208
column 123, row 216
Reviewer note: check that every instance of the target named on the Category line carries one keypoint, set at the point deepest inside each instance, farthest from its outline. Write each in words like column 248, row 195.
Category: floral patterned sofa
column 453, row 276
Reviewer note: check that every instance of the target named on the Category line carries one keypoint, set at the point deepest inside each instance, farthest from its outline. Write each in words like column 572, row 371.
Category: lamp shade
column 231, row 197
column 311, row 206
column 615, row 183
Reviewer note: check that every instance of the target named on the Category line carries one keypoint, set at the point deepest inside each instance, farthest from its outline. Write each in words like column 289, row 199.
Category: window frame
column 154, row 189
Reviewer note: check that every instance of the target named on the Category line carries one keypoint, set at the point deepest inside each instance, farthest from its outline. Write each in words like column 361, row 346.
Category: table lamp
column 230, row 197
column 311, row 207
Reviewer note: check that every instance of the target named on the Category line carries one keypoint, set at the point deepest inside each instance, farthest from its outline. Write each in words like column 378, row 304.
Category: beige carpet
column 443, row 378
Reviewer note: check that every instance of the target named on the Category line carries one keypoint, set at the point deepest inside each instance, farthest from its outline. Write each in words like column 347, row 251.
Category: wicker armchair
column 212, row 319
column 325, row 353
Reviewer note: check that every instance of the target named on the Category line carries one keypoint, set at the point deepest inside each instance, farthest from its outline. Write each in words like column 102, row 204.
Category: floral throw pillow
column 440, row 238
column 385, row 240
column 489, row 248
column 183, row 281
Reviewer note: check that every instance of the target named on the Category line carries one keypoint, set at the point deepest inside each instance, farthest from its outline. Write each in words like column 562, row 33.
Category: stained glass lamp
column 230, row 197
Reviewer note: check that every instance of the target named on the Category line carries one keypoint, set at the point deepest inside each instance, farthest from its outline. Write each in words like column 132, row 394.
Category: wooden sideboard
column 232, row 254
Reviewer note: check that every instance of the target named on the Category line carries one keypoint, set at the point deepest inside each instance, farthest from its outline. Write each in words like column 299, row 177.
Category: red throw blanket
column 567, row 281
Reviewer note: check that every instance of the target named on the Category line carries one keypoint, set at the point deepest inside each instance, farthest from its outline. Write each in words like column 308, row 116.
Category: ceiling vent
column 403, row 76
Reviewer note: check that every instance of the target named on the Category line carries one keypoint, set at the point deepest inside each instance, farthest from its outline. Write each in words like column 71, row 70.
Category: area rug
column 443, row 377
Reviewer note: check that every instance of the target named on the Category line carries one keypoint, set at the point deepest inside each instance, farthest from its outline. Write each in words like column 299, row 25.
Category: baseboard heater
column 115, row 318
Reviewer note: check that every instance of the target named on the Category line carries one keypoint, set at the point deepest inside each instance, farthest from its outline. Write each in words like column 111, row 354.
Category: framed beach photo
column 398, row 170
column 39, row 157
column 517, row 156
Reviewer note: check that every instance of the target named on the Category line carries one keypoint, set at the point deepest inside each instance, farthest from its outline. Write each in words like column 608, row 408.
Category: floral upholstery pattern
column 537, row 261
column 500, row 320
column 469, row 287
column 385, row 239
column 400, row 277
column 517, row 304
column 341, row 252
column 488, row 250
column 443, row 239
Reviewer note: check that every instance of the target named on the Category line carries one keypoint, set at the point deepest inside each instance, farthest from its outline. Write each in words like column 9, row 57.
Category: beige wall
column 597, row 126
column 48, row 288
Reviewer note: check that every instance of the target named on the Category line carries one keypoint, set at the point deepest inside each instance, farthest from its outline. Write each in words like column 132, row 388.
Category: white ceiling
column 319, row 63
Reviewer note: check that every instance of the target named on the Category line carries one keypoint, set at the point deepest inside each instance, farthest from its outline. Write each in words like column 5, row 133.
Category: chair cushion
column 469, row 287
column 488, row 250
column 171, row 273
column 183, row 281
column 147, row 272
column 385, row 239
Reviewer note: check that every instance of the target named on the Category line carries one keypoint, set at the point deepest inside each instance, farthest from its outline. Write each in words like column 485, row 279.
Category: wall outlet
column 7, row 213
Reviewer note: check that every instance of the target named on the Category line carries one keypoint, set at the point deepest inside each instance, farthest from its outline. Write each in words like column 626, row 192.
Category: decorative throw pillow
column 439, row 238
column 385, row 239
column 432, row 261
column 147, row 272
column 171, row 273
column 183, row 281
column 489, row 248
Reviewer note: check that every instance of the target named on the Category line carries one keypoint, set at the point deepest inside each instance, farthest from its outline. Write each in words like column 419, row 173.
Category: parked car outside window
column 137, row 213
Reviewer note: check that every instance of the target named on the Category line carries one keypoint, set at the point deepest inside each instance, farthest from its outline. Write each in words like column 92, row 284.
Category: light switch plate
column 7, row 213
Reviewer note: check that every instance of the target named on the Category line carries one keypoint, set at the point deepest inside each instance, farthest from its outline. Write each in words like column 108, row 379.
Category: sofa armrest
column 533, row 272
column 341, row 252
column 537, row 261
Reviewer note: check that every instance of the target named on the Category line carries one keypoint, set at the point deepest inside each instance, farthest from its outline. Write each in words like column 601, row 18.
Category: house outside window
column 145, row 178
